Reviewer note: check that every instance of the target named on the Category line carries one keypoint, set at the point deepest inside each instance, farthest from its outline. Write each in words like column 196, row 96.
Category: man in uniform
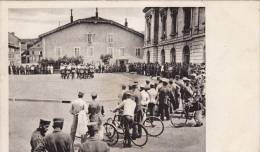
column 164, row 100
column 39, row 133
column 138, row 110
column 95, row 110
column 77, row 105
column 58, row 141
column 93, row 144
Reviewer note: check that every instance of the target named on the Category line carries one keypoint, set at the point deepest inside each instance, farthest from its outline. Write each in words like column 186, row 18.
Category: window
column 174, row 13
column 110, row 38
column 187, row 19
column 138, row 52
column 122, row 51
column 110, row 50
column 76, row 51
column 58, row 52
column 91, row 51
column 148, row 23
column 90, row 38
column 163, row 21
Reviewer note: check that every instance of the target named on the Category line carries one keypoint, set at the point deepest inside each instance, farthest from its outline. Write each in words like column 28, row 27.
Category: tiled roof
column 94, row 20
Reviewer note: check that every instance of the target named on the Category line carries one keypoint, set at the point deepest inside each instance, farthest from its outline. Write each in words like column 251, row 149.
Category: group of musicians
column 81, row 71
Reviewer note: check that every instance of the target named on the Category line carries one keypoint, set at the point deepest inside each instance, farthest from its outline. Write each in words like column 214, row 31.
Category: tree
column 105, row 58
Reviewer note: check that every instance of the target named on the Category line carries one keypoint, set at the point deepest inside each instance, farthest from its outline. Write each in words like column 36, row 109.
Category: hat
column 92, row 126
column 185, row 79
column 93, row 94
column 44, row 122
column 58, row 121
column 170, row 80
column 128, row 93
column 177, row 76
column 164, row 80
column 147, row 81
column 135, row 82
column 80, row 93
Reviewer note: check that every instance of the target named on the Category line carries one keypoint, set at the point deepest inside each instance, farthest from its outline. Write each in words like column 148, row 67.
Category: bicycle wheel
column 178, row 119
column 110, row 134
column 142, row 137
column 154, row 126
column 116, row 123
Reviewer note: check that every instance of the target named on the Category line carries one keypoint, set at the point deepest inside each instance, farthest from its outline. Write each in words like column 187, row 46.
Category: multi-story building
column 28, row 55
column 14, row 45
column 174, row 34
column 90, row 38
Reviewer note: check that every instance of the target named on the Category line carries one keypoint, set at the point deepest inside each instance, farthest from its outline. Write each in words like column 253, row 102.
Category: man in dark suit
column 93, row 144
column 39, row 133
column 57, row 141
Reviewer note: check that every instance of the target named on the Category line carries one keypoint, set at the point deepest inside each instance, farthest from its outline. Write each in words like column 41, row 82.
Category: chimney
column 96, row 12
column 71, row 16
column 126, row 23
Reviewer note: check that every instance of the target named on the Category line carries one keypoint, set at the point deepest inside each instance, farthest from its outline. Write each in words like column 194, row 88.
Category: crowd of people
column 80, row 71
column 168, row 70
column 30, row 69
column 160, row 96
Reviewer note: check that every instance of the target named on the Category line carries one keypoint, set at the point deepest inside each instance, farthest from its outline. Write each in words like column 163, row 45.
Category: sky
column 31, row 22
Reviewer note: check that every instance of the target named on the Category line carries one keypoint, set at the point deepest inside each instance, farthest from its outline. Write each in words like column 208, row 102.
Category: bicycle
column 186, row 113
column 110, row 135
column 139, row 141
column 153, row 125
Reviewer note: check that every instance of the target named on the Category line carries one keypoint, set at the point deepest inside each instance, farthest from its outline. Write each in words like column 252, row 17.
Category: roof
column 94, row 20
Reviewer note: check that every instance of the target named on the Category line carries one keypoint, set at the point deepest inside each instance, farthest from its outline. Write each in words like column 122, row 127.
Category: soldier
column 73, row 71
column 164, row 100
column 39, row 133
column 77, row 105
column 95, row 110
column 93, row 144
column 57, row 141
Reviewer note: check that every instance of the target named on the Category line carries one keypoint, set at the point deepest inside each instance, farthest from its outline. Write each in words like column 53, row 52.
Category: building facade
column 14, row 46
column 174, row 34
column 91, row 38
column 28, row 55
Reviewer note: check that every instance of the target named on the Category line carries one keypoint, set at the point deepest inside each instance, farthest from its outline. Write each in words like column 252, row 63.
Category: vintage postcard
column 109, row 76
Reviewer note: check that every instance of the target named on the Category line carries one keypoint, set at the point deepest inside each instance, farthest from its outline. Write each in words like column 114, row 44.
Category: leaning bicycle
column 139, row 140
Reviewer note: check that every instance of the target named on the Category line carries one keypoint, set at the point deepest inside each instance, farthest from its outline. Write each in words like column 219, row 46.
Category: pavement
column 24, row 115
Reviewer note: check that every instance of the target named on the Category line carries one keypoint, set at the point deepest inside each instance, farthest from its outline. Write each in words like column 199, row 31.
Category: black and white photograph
column 99, row 79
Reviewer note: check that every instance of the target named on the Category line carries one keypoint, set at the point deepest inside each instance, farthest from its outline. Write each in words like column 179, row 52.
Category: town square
column 104, row 79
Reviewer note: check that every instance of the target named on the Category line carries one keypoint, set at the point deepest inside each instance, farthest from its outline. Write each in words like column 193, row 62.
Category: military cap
column 164, row 80
column 80, row 93
column 92, row 126
column 128, row 93
column 147, row 81
column 44, row 122
column 177, row 76
column 93, row 94
column 58, row 120
column 185, row 79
